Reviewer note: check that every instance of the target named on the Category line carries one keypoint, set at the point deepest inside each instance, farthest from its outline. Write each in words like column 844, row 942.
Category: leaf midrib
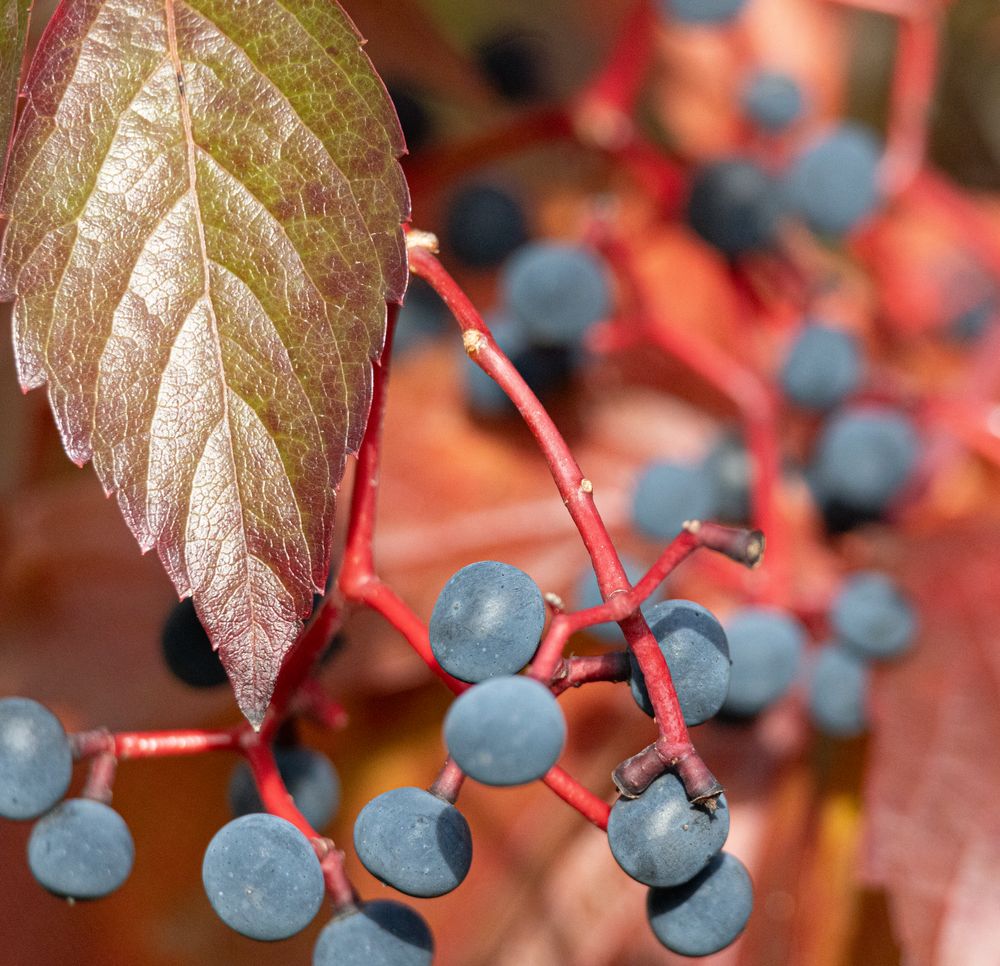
column 191, row 162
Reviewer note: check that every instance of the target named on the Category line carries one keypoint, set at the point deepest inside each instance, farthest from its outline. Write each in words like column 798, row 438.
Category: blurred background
column 876, row 850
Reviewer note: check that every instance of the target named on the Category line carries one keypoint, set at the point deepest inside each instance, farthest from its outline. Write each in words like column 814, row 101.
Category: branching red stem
column 576, row 491
column 449, row 782
column 573, row 793
column 586, row 669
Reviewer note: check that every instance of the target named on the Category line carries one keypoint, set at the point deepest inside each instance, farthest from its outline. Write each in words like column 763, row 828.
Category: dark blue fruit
column 697, row 653
column 838, row 692
column 308, row 775
column 555, row 291
column 262, row 877
column 864, row 457
column 705, row 914
column 701, row 11
column 82, row 849
column 822, row 367
column 772, row 100
column 381, row 933
column 735, row 206
column 187, row 649
column 35, row 759
column 766, row 646
column 487, row 621
column 505, row 731
column 668, row 494
column 660, row 838
column 730, row 467
column 414, row 841
column 833, row 182
column 871, row 616
column 484, row 225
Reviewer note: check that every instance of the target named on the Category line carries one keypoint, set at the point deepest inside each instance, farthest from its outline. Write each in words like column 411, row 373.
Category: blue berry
column 772, row 99
column 555, row 291
column 547, row 369
column 833, row 182
column 484, row 225
column 187, row 649
column 701, row 11
column 487, row 621
column 729, row 465
column 505, row 731
column 588, row 595
column 35, row 759
column 82, row 849
column 414, row 841
column 309, row 776
column 766, row 646
column 485, row 397
column 668, row 494
column 863, row 458
column 697, row 653
column 969, row 324
column 515, row 63
column 872, row 617
column 707, row 913
column 660, row 838
column 838, row 692
column 822, row 368
column 381, row 933
column 422, row 316
column 735, row 206
column 262, row 877
column 417, row 125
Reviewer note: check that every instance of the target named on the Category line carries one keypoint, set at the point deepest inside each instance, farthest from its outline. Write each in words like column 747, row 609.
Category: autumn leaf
column 205, row 206
column 934, row 818
column 13, row 32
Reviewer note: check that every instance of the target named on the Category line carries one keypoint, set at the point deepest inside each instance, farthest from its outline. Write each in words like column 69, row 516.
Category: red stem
column 604, row 110
column 622, row 603
column 100, row 778
column 573, row 793
column 300, row 663
column 738, row 383
column 449, row 782
column 576, row 491
column 312, row 701
column 914, row 75
column 358, row 581
column 587, row 669
column 155, row 744
column 275, row 798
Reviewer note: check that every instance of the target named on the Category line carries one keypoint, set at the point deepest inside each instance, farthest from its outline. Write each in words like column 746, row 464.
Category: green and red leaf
column 204, row 206
column 14, row 15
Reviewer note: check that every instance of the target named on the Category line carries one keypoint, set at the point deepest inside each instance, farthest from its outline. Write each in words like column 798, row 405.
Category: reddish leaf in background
column 205, row 207
column 934, row 819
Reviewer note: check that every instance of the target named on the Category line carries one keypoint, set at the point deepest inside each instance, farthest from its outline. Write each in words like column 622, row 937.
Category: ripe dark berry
column 414, row 841
column 505, row 731
column 706, row 914
column 35, row 759
column 82, row 849
column 697, row 653
column 487, row 621
column 660, row 838
column 262, row 877
column 381, row 933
